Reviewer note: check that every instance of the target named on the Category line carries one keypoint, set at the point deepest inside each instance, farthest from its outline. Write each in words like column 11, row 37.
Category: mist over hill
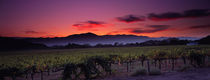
column 93, row 39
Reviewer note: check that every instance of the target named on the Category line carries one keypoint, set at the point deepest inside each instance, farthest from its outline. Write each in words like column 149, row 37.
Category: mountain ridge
column 93, row 39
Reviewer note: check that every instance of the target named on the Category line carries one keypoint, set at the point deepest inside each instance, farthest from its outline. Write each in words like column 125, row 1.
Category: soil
column 193, row 74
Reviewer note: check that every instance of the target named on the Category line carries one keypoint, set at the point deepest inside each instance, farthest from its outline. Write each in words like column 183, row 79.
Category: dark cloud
column 194, row 13
column 32, row 32
column 88, row 25
column 197, row 13
column 95, row 22
column 131, row 18
column 164, row 16
column 113, row 32
column 152, row 29
column 200, row 27
column 77, row 25
column 148, row 29
column 158, row 26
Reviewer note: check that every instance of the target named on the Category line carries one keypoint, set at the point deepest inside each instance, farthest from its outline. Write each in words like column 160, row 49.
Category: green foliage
column 89, row 68
column 197, row 57
column 34, row 61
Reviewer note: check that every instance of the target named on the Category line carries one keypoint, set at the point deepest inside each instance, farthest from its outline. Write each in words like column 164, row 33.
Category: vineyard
column 91, row 63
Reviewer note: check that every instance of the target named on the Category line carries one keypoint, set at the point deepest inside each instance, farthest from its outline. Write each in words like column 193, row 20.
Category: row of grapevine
column 93, row 63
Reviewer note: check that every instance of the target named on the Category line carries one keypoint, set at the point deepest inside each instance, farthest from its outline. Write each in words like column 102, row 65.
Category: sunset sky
column 60, row 18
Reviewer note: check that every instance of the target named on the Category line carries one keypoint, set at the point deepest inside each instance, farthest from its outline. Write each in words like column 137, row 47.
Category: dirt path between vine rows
column 195, row 74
